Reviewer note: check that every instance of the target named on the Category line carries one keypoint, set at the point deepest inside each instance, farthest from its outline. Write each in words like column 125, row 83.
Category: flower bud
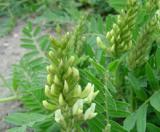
column 91, row 96
column 130, row 44
column 122, row 45
column 119, row 19
column 75, row 73
column 47, row 91
column 125, row 29
column 78, row 107
column 112, row 40
column 126, row 47
column 51, row 54
column 119, row 38
column 77, row 91
column 100, row 43
column 61, row 100
column 109, row 35
column 56, row 80
column 49, row 79
column 112, row 48
column 89, row 114
column 115, row 27
column 87, row 90
column 68, row 73
column 54, row 91
column 48, row 106
column 50, row 69
column 66, row 88
column 71, row 60
column 61, row 63
column 58, row 116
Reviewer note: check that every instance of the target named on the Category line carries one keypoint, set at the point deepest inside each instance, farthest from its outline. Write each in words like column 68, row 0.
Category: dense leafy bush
column 103, row 76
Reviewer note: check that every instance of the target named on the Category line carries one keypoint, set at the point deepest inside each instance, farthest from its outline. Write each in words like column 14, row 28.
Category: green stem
column 106, row 108
column 7, row 99
column 132, row 100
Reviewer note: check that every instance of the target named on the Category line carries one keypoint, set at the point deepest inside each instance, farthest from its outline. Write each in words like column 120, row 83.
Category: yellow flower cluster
column 139, row 55
column 66, row 98
column 120, row 36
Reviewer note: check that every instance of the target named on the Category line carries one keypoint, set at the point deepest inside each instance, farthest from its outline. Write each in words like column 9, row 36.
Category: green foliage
column 6, row 24
column 30, row 70
column 52, row 13
column 118, row 4
column 128, row 83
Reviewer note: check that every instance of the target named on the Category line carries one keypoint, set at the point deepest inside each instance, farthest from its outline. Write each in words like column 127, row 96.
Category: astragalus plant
column 105, row 79
column 66, row 97
column 120, row 36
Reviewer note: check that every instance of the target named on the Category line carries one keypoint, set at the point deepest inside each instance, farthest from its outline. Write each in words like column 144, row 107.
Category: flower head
column 90, row 112
column 58, row 116
column 78, row 107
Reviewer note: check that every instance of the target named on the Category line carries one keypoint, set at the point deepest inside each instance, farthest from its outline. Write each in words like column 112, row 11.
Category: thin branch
column 8, row 99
